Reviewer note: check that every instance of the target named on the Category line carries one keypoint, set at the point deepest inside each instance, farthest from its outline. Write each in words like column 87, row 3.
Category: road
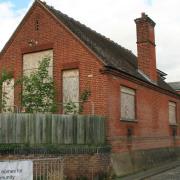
column 173, row 174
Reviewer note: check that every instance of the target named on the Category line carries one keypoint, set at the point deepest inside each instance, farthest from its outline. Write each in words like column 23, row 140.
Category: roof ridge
column 129, row 52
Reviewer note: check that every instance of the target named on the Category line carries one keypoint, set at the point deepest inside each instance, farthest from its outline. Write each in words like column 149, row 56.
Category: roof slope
column 112, row 54
column 175, row 85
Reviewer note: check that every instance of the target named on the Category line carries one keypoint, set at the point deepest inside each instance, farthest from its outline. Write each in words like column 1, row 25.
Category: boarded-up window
column 127, row 104
column 71, row 86
column 31, row 61
column 8, row 95
column 172, row 113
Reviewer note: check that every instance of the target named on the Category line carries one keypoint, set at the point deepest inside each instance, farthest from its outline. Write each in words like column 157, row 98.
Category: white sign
column 16, row 170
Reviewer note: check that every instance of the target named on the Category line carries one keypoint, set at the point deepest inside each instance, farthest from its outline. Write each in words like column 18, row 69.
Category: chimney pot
column 146, row 46
column 143, row 14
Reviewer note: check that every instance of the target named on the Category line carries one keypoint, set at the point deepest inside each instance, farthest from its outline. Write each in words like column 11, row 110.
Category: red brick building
column 142, row 110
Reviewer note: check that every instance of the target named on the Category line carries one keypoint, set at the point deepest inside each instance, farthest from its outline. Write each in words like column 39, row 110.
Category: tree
column 38, row 90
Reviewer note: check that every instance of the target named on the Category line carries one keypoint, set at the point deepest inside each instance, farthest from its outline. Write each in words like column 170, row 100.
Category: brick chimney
column 146, row 46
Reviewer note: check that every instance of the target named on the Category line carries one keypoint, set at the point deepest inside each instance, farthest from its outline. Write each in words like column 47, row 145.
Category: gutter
column 117, row 72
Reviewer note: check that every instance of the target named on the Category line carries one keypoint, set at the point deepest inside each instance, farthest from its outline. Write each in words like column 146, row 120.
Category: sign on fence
column 16, row 170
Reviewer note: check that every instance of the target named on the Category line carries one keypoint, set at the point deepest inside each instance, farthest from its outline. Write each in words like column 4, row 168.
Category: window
column 172, row 113
column 71, row 87
column 31, row 61
column 8, row 95
column 36, row 24
column 127, row 104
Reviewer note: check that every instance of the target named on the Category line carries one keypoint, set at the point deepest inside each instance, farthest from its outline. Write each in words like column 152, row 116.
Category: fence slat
column 5, row 128
column 38, row 127
column 88, row 130
column 32, row 130
column 51, row 129
column 68, row 129
column 81, row 121
column 48, row 129
column 55, row 129
column 18, row 129
column 60, row 132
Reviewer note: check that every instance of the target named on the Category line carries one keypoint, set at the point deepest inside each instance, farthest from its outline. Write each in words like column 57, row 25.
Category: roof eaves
column 141, row 80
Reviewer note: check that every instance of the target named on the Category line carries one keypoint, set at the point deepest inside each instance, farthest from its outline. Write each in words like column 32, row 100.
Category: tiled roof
column 112, row 54
column 175, row 85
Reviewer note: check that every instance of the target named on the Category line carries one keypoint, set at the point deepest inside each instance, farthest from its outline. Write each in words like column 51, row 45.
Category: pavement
column 173, row 174
column 169, row 171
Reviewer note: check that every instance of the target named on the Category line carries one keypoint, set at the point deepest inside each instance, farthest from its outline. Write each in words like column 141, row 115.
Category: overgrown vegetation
column 84, row 98
column 70, row 108
column 75, row 108
column 38, row 93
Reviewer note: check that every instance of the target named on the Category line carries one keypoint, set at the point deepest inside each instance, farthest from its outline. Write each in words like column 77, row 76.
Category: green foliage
column 84, row 98
column 72, row 107
column 38, row 90
column 5, row 77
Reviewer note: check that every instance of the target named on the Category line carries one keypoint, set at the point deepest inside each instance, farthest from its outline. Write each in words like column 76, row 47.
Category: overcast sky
column 114, row 19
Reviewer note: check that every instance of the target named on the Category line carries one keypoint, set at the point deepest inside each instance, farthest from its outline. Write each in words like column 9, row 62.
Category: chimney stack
column 146, row 46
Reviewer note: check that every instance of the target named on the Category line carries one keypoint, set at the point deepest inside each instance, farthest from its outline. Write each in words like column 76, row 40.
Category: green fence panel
column 51, row 129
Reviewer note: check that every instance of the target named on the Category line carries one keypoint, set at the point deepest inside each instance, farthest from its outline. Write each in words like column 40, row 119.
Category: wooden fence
column 51, row 129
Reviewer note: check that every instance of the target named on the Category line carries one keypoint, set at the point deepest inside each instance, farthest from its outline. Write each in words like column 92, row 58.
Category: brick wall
column 151, row 128
column 86, row 165
column 151, row 105
column 68, row 53
column 79, row 165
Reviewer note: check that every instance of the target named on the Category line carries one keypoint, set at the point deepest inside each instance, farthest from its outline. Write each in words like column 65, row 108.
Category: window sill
column 129, row 120
column 173, row 125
